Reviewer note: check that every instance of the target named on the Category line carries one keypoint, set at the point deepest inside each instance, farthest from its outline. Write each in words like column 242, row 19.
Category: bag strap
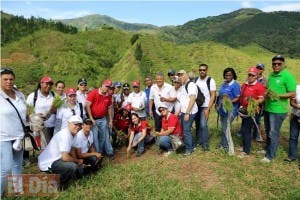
column 81, row 110
column 23, row 125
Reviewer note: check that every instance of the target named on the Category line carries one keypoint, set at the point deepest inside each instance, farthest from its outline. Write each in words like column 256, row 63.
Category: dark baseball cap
column 88, row 121
column 171, row 72
column 82, row 80
column 126, row 86
column 278, row 57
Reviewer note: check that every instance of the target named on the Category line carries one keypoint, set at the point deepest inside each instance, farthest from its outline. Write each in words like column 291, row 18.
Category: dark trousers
column 157, row 121
column 93, row 162
column 247, row 124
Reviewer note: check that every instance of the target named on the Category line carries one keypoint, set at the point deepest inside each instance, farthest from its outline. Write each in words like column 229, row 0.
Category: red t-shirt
column 172, row 121
column 143, row 125
column 248, row 90
column 100, row 103
column 121, row 123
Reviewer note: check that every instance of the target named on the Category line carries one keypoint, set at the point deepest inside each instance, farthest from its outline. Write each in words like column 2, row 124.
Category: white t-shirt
column 63, row 114
column 294, row 110
column 138, row 100
column 83, row 142
column 204, row 89
column 61, row 142
column 10, row 125
column 166, row 91
column 125, row 102
column 81, row 97
column 43, row 105
column 184, row 97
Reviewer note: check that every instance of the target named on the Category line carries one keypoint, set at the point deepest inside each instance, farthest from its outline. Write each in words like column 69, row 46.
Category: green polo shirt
column 280, row 83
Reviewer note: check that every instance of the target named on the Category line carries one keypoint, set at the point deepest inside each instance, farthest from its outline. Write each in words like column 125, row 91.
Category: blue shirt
column 232, row 89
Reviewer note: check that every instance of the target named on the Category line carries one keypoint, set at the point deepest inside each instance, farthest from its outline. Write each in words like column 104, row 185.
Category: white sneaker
column 17, row 145
column 243, row 155
column 166, row 154
column 262, row 151
column 265, row 160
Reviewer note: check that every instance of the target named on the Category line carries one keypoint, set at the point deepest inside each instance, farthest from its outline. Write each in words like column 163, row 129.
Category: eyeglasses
column 260, row 68
column 251, row 75
column 5, row 70
column 135, row 86
column 202, row 70
column 278, row 63
column 82, row 84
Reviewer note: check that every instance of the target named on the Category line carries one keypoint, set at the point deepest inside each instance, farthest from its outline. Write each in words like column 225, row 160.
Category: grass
column 203, row 175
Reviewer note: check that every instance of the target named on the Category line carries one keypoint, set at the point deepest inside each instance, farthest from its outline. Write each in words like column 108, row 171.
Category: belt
column 95, row 118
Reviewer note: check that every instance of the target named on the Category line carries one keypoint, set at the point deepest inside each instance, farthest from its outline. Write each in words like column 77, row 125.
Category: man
column 170, row 126
column 98, row 106
column 148, row 83
column 137, row 100
column 84, row 146
column 171, row 74
column 260, row 77
column 281, row 87
column 58, row 157
column 125, row 94
column 117, row 95
column 208, row 87
column 161, row 92
column 188, row 108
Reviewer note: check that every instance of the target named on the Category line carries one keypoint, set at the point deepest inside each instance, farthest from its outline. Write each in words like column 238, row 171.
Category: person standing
column 57, row 157
column 207, row 86
column 294, row 127
column 82, row 91
column 59, row 89
column 256, row 91
column 148, row 83
column 125, row 94
column 230, row 89
column 171, row 74
column 161, row 92
column 11, row 128
column 188, row 109
column 281, row 86
column 137, row 100
column 99, row 109
column 41, row 99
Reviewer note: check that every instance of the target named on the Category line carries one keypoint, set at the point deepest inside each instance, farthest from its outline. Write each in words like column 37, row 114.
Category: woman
column 71, row 107
column 11, row 128
column 170, row 126
column 139, row 134
column 256, row 91
column 41, row 99
column 229, row 89
column 294, row 126
column 59, row 89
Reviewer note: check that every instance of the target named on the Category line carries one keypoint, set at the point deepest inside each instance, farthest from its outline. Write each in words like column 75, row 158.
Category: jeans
column 11, row 162
column 48, row 132
column 157, row 121
column 101, row 136
column 164, row 142
column 223, row 119
column 273, row 122
column 247, row 123
column 141, row 145
column 66, row 170
column 294, row 135
column 187, row 131
column 201, row 128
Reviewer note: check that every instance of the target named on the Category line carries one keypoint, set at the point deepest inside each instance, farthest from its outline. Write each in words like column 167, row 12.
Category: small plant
column 252, row 107
column 272, row 95
column 227, row 104
column 57, row 102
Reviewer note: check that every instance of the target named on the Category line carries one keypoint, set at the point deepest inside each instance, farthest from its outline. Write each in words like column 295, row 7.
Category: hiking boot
column 289, row 160
column 138, row 154
column 187, row 153
column 111, row 157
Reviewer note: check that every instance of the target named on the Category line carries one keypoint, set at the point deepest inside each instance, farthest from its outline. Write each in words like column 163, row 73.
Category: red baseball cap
column 253, row 70
column 108, row 83
column 46, row 79
column 136, row 83
column 70, row 91
column 127, row 107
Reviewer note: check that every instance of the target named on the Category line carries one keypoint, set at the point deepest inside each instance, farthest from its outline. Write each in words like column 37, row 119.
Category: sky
column 159, row 13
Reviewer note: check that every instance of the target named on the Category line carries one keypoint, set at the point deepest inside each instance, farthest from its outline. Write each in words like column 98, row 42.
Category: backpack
column 36, row 96
column 207, row 82
column 200, row 96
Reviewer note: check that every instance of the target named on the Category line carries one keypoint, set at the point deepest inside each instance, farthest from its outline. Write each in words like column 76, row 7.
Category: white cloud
column 282, row 7
column 246, row 4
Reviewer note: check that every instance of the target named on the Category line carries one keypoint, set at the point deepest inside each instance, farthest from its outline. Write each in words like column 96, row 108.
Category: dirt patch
column 18, row 57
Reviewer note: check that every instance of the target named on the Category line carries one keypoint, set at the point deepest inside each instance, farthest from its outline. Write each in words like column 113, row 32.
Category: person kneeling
column 84, row 147
column 139, row 135
column 170, row 133
column 58, row 158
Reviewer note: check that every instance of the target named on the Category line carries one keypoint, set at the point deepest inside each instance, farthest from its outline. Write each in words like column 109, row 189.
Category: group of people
column 92, row 124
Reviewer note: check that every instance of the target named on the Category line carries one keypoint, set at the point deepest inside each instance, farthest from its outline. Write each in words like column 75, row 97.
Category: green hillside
column 110, row 54
column 276, row 31
column 95, row 22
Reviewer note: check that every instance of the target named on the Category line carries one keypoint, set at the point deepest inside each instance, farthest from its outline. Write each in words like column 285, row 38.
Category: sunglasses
column 202, row 70
column 82, row 84
column 135, row 86
column 6, row 70
column 171, row 74
column 260, row 68
column 251, row 75
column 277, row 64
